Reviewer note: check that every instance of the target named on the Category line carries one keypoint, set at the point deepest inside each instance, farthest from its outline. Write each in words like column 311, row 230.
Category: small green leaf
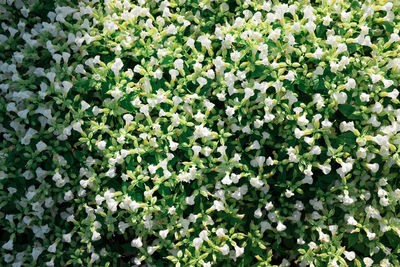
column 346, row 109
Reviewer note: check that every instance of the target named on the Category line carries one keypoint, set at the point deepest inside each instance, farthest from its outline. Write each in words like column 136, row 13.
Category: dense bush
column 199, row 133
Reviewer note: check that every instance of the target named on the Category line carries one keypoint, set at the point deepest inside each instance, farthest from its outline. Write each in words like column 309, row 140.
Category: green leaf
column 346, row 109
column 389, row 26
column 351, row 48
column 348, row 138
column 353, row 238
column 355, row 5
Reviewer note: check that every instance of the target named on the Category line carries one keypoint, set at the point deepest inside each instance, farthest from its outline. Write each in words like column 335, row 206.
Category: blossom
column 373, row 167
column 202, row 81
column 96, row 236
column 218, row 205
column 8, row 245
column 281, row 227
column 368, row 261
column 224, row 249
column 256, row 182
column 239, row 251
column 326, row 20
column 230, row 111
column 289, row 193
column 137, row 243
column 235, row 56
column 41, row 146
column 197, row 242
column 274, row 35
column 164, row 233
column 341, row 97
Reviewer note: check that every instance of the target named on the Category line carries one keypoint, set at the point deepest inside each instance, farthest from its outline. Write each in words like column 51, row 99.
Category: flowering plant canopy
column 199, row 133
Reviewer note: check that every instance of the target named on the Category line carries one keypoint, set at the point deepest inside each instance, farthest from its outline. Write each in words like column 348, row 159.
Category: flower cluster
column 199, row 133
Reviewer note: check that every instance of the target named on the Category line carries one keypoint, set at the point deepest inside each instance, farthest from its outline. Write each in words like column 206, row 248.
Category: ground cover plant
column 199, row 133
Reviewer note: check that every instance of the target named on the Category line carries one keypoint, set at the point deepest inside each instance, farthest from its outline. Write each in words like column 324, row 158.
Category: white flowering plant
column 199, row 133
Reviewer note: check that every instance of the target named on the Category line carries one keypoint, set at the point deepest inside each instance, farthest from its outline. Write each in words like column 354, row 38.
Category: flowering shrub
column 199, row 133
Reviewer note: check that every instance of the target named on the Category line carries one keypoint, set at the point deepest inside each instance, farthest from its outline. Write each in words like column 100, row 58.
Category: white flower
column 312, row 245
column 351, row 220
column 117, row 66
column 394, row 37
column 248, row 92
column 238, row 251
column 197, row 66
column 268, row 117
column 257, row 162
column 350, row 255
column 290, row 76
column 158, row 74
column 116, row 94
column 68, row 195
column 376, row 78
column 52, row 248
column 101, row 145
column 318, row 55
column 310, row 26
column 9, row 245
column 197, row 242
column 123, row 225
column 326, row 20
column 340, row 97
column 178, row 64
column 269, row 206
column 396, row 194
column 383, row 201
column 151, row 249
column 230, row 111
column 173, row 145
column 256, row 182
column 221, row 96
column 40, row 146
column 96, row 236
column 289, row 193
column 235, row 56
column 364, row 97
column 281, row 227
column 67, row 237
column 255, row 145
column 258, row 123
column 394, row 94
column 202, row 81
column 387, row 83
column 226, row 180
column 385, row 263
column 190, row 200
column 224, row 249
column 298, row 133
column 345, row 16
column 374, row 167
column 201, row 131
column 137, row 243
column 258, row 213
column 220, row 232
column 326, row 123
column 351, row 83
column 145, row 110
column 210, row 74
column 218, row 205
column 274, row 35
column 164, row 233
column 368, row 261
column 316, row 150
column 36, row 251
column 199, row 116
